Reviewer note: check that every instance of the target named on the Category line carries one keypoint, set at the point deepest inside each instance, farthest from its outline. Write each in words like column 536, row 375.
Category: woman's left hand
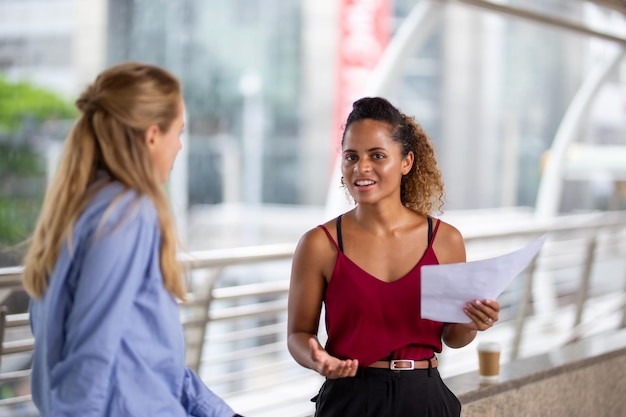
column 484, row 313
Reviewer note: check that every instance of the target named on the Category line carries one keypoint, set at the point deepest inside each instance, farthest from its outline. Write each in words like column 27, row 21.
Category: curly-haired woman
column 364, row 266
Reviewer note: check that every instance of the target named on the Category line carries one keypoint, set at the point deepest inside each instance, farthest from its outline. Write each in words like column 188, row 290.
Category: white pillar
column 178, row 188
column 90, row 41
column 550, row 188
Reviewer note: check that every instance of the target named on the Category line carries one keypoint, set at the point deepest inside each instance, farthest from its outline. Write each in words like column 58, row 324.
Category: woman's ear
column 407, row 163
column 152, row 136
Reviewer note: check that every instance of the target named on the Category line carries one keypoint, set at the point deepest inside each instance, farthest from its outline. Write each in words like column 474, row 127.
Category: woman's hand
column 484, row 313
column 329, row 366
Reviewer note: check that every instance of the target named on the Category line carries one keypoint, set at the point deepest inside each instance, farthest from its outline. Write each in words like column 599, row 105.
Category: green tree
column 24, row 110
column 22, row 100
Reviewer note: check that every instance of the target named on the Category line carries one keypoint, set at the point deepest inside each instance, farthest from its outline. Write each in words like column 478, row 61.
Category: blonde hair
column 422, row 187
column 117, row 109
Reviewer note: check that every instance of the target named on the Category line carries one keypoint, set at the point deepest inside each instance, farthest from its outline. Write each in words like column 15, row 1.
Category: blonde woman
column 102, row 270
column 364, row 266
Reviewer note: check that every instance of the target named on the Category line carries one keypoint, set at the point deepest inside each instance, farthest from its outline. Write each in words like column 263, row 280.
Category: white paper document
column 447, row 288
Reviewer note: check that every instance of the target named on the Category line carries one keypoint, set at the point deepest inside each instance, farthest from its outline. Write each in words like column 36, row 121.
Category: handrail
column 235, row 316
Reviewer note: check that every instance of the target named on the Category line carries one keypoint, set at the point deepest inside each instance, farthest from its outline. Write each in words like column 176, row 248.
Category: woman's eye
column 350, row 157
column 378, row 156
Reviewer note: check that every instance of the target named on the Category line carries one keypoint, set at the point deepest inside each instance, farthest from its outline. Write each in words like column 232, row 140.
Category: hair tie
column 87, row 102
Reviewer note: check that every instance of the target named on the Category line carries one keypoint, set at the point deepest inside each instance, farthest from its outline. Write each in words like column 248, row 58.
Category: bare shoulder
column 316, row 239
column 315, row 251
column 449, row 245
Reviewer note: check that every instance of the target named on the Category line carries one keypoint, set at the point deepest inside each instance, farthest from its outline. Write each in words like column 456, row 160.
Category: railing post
column 205, row 292
column 520, row 317
column 583, row 291
column 623, row 323
column 3, row 322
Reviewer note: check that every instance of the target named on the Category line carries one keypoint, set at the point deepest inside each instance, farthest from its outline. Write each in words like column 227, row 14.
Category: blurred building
column 58, row 44
column 260, row 77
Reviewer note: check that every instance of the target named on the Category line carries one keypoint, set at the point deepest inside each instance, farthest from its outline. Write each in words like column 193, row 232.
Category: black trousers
column 377, row 392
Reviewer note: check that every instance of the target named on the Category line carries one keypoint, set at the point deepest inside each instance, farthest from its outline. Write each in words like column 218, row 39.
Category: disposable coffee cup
column 489, row 361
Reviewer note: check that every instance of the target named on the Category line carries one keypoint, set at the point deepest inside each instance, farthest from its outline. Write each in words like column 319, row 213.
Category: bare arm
column 313, row 260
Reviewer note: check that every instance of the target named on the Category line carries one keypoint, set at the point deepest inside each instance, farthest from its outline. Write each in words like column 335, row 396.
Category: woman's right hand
column 330, row 366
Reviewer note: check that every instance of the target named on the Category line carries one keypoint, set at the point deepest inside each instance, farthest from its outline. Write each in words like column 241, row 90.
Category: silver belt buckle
column 393, row 365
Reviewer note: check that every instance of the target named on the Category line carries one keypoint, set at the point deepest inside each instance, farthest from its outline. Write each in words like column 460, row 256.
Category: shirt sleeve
column 200, row 401
column 111, row 269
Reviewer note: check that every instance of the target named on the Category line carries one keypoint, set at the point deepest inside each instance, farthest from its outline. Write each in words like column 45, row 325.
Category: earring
column 349, row 197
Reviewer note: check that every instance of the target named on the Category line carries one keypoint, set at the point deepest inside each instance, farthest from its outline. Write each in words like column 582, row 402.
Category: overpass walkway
column 235, row 321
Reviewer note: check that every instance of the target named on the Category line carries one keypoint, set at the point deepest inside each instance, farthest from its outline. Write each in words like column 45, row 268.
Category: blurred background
column 524, row 100
column 268, row 83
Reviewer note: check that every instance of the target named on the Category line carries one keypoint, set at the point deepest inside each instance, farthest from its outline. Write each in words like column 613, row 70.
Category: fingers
column 329, row 366
column 484, row 313
column 340, row 368
column 491, row 304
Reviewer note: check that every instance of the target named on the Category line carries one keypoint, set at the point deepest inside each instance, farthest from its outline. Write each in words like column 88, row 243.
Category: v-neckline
column 339, row 244
column 410, row 272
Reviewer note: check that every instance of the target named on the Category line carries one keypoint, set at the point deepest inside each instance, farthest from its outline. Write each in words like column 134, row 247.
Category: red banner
column 363, row 36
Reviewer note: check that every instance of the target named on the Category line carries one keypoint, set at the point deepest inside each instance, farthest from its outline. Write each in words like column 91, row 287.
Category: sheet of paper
column 447, row 288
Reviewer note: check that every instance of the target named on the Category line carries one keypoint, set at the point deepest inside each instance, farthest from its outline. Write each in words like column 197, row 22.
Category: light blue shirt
column 108, row 337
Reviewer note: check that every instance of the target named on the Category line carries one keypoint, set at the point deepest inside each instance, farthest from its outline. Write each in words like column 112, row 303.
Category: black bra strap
column 339, row 239
column 430, row 229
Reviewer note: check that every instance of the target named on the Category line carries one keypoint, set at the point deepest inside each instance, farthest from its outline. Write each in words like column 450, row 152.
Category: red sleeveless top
column 370, row 320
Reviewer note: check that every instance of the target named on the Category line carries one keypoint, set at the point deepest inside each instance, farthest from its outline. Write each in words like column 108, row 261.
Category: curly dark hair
column 421, row 188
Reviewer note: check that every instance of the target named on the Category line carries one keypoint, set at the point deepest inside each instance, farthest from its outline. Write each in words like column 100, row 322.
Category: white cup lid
column 487, row 346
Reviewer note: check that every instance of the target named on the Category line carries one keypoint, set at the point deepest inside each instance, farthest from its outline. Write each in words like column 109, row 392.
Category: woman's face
column 373, row 164
column 164, row 146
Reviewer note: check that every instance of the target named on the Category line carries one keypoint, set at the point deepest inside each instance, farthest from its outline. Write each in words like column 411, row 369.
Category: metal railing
column 235, row 318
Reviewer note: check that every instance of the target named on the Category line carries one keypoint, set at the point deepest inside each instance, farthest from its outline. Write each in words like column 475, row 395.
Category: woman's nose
column 362, row 166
